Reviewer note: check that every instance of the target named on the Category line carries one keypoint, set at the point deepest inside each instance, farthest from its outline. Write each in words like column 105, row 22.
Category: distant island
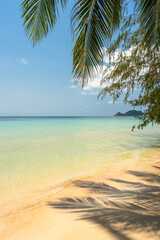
column 131, row 113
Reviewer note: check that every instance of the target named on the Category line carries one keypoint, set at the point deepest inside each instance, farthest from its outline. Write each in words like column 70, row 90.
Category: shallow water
column 39, row 154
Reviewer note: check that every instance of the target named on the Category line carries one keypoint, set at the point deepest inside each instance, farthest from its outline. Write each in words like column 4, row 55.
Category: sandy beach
column 80, row 120
column 119, row 202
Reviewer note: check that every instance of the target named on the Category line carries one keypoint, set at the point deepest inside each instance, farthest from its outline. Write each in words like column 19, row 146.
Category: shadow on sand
column 136, row 208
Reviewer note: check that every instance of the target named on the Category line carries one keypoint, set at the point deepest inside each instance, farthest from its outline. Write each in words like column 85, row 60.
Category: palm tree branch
column 93, row 22
column 40, row 16
column 150, row 20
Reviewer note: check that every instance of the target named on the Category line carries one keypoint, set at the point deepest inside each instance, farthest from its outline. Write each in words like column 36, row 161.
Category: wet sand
column 119, row 202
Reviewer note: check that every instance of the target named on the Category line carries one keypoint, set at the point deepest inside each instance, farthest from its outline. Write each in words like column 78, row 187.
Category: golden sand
column 120, row 202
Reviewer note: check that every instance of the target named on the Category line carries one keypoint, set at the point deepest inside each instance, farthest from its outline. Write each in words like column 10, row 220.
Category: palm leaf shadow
column 119, row 211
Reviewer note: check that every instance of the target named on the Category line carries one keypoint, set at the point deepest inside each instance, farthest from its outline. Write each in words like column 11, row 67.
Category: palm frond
column 40, row 16
column 93, row 22
column 150, row 20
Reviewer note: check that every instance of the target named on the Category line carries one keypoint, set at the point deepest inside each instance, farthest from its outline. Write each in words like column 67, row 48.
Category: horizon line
column 53, row 116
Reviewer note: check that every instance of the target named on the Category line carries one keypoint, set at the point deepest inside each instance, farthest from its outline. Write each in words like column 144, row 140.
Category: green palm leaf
column 150, row 20
column 93, row 22
column 40, row 16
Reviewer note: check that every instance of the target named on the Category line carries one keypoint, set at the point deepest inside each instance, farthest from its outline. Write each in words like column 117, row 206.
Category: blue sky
column 37, row 81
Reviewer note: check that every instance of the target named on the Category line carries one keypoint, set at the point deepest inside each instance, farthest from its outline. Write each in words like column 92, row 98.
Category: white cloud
column 117, row 102
column 110, row 102
column 85, row 106
column 94, row 93
column 115, row 56
column 72, row 86
column 23, row 61
column 94, row 83
column 83, row 92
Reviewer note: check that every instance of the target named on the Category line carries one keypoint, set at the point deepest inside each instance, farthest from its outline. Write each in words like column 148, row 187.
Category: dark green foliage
column 134, row 66
column 131, row 113
column 40, row 16
column 150, row 20
column 93, row 22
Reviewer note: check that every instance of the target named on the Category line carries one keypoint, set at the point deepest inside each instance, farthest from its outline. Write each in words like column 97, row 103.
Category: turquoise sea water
column 38, row 154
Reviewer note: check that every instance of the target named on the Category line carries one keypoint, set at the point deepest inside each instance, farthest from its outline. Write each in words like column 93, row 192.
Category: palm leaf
column 40, row 16
column 93, row 22
column 150, row 20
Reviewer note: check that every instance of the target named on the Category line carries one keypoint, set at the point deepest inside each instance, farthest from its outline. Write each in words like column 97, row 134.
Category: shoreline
column 63, row 209
column 44, row 193
column 55, row 189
